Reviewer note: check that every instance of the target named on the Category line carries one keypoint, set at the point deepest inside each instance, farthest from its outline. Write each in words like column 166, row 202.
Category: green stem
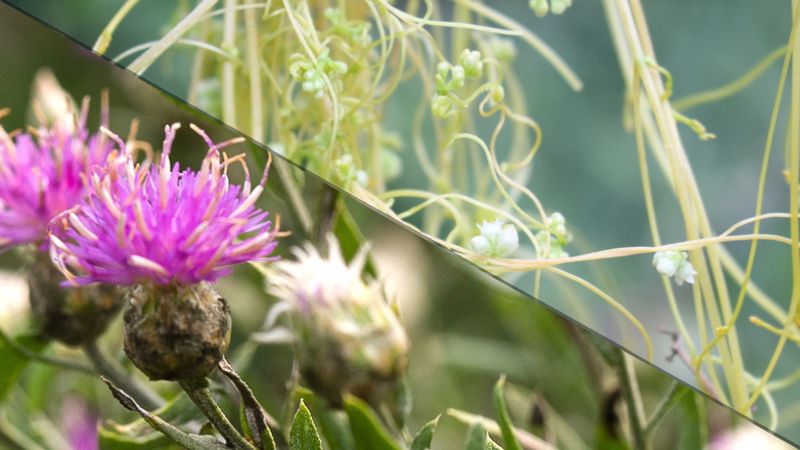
column 14, row 439
column 149, row 399
column 201, row 396
column 44, row 359
column 673, row 395
column 630, row 392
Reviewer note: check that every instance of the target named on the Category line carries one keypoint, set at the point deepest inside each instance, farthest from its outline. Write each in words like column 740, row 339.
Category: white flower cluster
column 675, row 263
column 497, row 239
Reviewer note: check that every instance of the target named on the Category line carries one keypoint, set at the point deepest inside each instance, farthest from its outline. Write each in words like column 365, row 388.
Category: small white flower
column 362, row 178
column 496, row 239
column 472, row 63
column 480, row 245
column 685, row 273
column 674, row 263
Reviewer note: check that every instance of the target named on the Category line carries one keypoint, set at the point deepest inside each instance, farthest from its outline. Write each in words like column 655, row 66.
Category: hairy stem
column 201, row 396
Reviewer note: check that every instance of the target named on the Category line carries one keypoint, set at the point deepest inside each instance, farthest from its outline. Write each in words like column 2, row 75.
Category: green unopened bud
column 540, row 7
column 503, row 49
column 559, row 6
column 498, row 94
column 71, row 315
column 442, row 106
column 391, row 165
column 348, row 337
column 176, row 332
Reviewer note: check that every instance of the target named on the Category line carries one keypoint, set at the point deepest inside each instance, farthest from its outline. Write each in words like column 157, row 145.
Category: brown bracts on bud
column 71, row 315
column 176, row 332
column 348, row 336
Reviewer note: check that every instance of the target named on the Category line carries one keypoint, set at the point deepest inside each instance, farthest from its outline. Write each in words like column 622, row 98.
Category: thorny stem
column 201, row 396
column 110, row 370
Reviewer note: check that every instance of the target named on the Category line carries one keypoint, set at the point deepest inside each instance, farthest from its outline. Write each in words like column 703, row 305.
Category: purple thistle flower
column 157, row 223
column 42, row 174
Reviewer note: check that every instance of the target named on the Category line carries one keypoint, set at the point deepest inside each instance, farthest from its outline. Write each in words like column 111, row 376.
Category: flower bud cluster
column 555, row 237
column 345, row 172
column 450, row 79
column 542, row 7
column 312, row 75
column 354, row 31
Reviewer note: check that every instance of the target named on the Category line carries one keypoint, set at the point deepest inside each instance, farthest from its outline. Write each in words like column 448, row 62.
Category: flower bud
column 71, row 315
column 176, row 332
column 470, row 61
column 442, row 106
column 540, row 7
column 348, row 337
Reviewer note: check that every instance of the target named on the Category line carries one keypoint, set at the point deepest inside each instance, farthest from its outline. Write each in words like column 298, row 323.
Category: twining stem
column 198, row 392
column 110, row 370
column 149, row 57
column 104, row 40
column 674, row 394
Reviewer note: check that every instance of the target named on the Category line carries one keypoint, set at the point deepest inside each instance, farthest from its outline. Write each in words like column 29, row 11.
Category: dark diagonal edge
column 203, row 115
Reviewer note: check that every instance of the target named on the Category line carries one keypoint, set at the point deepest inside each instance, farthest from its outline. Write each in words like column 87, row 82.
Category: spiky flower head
column 348, row 336
column 157, row 224
column 43, row 173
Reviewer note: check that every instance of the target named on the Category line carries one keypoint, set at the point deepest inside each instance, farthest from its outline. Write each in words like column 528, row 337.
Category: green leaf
column 109, row 439
column 477, row 437
column 303, row 434
column 367, row 429
column 693, row 422
column 424, row 437
column 186, row 440
column 336, row 430
column 492, row 445
column 13, row 362
column 506, row 427
column 252, row 416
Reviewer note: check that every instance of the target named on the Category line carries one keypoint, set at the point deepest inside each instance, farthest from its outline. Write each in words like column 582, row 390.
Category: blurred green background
column 586, row 168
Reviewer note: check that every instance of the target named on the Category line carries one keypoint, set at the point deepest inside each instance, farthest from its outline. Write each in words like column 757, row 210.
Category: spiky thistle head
column 348, row 336
column 42, row 173
column 157, row 224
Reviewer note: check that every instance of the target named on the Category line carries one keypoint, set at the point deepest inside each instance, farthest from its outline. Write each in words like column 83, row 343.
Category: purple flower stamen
column 156, row 223
column 43, row 173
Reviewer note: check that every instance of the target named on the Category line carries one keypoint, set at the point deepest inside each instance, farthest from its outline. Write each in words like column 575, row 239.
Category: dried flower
column 349, row 338
column 162, row 225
